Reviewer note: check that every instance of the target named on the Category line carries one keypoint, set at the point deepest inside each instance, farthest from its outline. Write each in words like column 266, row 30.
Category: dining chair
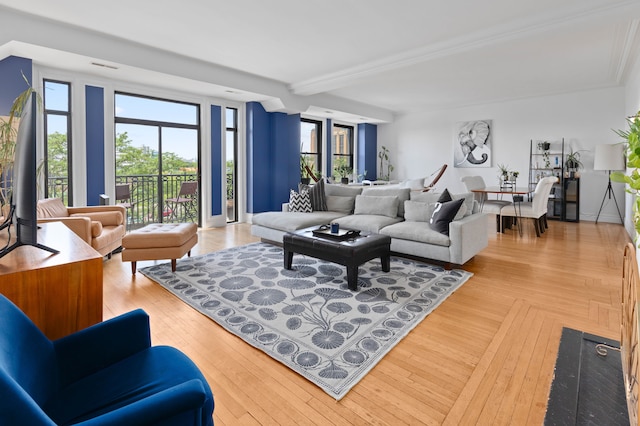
column 123, row 198
column 536, row 209
column 187, row 201
column 486, row 205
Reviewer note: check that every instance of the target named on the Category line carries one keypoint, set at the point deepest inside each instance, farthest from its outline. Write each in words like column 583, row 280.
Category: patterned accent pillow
column 317, row 195
column 299, row 202
column 443, row 214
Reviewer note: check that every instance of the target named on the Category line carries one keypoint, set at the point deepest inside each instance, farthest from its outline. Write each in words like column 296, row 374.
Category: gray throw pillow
column 383, row 206
column 415, row 211
column 336, row 203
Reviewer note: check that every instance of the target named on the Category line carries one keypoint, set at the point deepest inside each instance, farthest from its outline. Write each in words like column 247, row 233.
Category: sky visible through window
column 183, row 142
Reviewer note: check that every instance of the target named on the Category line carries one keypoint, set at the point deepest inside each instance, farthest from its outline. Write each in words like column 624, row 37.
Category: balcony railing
column 147, row 204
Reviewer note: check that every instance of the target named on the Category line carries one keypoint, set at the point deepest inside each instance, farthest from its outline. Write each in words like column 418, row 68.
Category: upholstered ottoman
column 159, row 241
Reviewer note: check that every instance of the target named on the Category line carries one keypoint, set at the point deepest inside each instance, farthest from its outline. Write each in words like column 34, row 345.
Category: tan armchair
column 102, row 227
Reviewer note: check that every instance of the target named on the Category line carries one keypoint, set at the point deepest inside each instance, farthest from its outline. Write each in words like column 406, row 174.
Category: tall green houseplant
column 631, row 138
column 8, row 139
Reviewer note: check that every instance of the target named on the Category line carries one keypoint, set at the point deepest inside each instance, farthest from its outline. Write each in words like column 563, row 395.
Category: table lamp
column 609, row 157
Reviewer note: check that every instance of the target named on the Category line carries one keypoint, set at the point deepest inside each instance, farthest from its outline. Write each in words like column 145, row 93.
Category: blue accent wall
column 216, row 160
column 367, row 149
column 94, row 110
column 273, row 157
column 11, row 81
column 329, row 137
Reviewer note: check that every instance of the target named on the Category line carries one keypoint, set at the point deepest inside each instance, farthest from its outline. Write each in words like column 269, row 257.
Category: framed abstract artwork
column 473, row 144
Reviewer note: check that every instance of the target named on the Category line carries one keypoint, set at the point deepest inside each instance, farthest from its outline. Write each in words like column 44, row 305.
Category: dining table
column 517, row 194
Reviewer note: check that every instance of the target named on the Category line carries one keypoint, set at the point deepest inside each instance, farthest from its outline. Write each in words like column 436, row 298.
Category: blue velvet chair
column 107, row 374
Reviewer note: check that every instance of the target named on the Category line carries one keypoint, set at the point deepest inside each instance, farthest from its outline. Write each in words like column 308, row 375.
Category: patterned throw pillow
column 317, row 195
column 299, row 202
column 443, row 214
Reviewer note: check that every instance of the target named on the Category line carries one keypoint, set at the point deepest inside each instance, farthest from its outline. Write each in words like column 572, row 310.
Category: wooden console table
column 61, row 293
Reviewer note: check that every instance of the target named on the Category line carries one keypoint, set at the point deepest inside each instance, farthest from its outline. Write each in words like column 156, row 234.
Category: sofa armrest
column 468, row 237
column 185, row 397
column 102, row 344
column 107, row 218
column 98, row 209
column 80, row 225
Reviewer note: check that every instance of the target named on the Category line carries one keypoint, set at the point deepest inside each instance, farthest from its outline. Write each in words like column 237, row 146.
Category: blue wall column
column 273, row 157
column 94, row 110
column 329, row 146
column 367, row 149
column 216, row 160
column 12, row 82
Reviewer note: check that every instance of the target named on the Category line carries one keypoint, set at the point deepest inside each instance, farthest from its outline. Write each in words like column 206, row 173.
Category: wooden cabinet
column 61, row 293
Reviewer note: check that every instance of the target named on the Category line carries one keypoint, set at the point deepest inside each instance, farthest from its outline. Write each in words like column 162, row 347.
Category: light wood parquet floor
column 485, row 356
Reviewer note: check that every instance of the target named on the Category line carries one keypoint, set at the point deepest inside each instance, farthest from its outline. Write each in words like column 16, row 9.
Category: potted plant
column 8, row 139
column 341, row 169
column 383, row 155
column 305, row 166
column 572, row 163
column 632, row 177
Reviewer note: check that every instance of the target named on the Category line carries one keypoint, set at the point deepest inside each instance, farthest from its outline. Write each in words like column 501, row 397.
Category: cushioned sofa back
column 51, row 207
column 402, row 194
column 341, row 198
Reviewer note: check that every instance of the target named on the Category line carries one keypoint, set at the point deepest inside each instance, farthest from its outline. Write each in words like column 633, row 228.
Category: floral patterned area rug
column 306, row 317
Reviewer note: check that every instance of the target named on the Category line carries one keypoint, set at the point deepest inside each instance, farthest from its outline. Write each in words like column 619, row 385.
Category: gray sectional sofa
column 390, row 210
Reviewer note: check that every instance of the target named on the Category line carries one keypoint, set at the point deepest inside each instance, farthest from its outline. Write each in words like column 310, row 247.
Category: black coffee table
column 350, row 253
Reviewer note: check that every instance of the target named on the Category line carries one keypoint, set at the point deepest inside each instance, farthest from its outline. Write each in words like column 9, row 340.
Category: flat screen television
column 24, row 196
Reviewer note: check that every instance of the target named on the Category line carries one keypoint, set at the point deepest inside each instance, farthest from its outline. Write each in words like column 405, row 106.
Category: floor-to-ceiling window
column 231, row 150
column 310, row 147
column 57, row 123
column 342, row 151
column 157, row 158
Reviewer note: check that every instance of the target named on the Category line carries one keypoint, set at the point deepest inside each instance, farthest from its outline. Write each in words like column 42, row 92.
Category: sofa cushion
column 416, row 231
column 367, row 223
column 421, row 212
column 425, row 197
column 299, row 201
column 418, row 212
column 337, row 203
column 372, row 205
column 469, row 201
column 443, row 215
column 317, row 195
column 342, row 190
column 51, row 207
column 403, row 194
column 445, row 196
column 293, row 221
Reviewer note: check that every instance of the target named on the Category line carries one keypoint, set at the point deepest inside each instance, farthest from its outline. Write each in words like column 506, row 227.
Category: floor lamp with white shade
column 609, row 157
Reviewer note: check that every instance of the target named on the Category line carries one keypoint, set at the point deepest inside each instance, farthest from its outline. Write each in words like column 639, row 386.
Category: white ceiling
column 365, row 59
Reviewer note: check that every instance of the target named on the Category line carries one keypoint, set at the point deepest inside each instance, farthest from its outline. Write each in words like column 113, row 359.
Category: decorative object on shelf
column 573, row 164
column 544, row 146
column 383, row 155
column 474, row 144
column 507, row 177
column 610, row 158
